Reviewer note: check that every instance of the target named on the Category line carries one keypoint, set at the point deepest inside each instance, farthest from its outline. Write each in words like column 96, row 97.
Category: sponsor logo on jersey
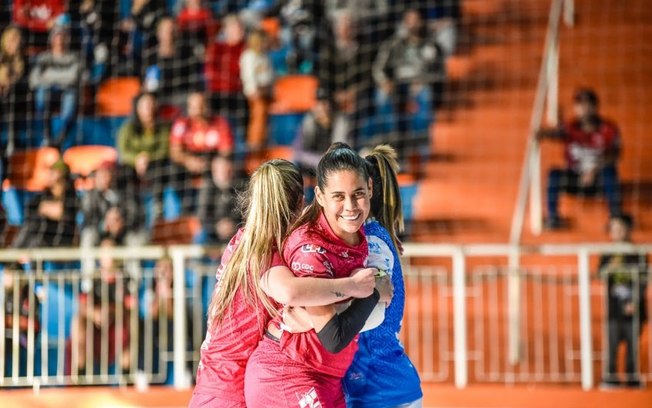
column 310, row 400
column 298, row 266
column 311, row 248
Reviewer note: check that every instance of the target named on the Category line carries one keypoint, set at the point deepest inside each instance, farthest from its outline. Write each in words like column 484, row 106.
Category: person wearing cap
column 50, row 216
column 56, row 72
column 592, row 146
column 625, row 276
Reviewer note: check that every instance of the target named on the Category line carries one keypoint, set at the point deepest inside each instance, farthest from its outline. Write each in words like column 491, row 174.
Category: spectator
column 143, row 147
column 98, row 20
column 315, row 134
column 196, row 25
column 109, row 211
column 50, row 216
column 56, row 72
column 223, row 73
column 406, row 69
column 13, row 83
column 111, row 295
column 194, row 141
column 138, row 34
column 626, row 284
column 170, row 74
column 346, row 74
column 257, row 77
column 218, row 198
column 592, row 146
column 38, row 17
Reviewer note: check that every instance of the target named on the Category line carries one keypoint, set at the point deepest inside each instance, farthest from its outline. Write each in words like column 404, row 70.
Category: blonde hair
column 386, row 204
column 272, row 202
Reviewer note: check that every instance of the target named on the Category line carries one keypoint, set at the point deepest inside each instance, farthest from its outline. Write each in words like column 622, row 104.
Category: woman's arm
column 281, row 284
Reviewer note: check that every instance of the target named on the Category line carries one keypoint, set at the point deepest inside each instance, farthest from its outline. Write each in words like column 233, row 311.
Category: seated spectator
column 315, row 134
column 223, row 74
column 38, row 17
column 170, row 73
column 257, row 76
column 218, row 198
column 194, row 140
column 143, row 148
column 626, row 288
column 111, row 294
column 405, row 70
column 592, row 146
column 109, row 210
column 50, row 216
column 98, row 20
column 56, row 72
column 13, row 82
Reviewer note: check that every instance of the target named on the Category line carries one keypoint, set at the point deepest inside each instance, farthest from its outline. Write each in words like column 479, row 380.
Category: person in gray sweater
column 55, row 72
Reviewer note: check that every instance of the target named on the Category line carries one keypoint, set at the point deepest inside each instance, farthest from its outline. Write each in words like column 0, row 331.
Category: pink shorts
column 273, row 380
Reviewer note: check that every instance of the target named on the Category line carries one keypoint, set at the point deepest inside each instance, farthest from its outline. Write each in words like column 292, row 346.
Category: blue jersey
column 381, row 374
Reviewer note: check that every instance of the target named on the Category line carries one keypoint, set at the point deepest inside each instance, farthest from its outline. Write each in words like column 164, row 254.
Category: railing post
column 536, row 211
column 459, row 319
column 179, row 319
column 552, row 93
column 569, row 12
column 514, row 307
column 586, row 347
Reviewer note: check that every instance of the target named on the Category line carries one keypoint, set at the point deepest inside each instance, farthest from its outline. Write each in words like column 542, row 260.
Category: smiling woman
column 327, row 242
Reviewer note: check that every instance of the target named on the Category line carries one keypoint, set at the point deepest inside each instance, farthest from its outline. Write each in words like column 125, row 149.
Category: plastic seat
column 115, row 96
column 294, row 94
column 272, row 27
column 83, row 160
column 179, row 231
column 28, row 169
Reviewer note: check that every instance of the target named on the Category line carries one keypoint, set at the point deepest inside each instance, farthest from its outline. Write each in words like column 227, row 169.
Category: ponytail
column 273, row 198
column 386, row 204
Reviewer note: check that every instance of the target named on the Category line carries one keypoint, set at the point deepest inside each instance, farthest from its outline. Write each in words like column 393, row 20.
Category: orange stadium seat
column 83, row 160
column 179, row 231
column 28, row 169
column 294, row 94
column 115, row 96
column 271, row 26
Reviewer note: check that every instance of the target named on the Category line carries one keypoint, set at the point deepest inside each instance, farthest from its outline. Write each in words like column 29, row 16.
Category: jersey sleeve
column 178, row 132
column 276, row 260
column 381, row 255
column 226, row 136
column 309, row 260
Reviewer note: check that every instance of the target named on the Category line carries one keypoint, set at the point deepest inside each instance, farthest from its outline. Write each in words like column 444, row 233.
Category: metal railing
column 458, row 323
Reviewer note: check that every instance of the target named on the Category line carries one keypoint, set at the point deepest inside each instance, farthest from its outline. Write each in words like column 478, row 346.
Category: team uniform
column 296, row 370
column 226, row 349
column 381, row 374
column 584, row 149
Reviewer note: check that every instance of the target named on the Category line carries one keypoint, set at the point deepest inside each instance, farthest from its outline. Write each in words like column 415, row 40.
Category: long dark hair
column 386, row 204
column 338, row 157
column 135, row 120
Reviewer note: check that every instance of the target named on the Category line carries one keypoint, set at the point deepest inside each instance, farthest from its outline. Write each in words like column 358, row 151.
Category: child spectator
column 223, row 73
column 170, row 73
column 50, row 216
column 626, row 287
column 257, row 76
column 218, row 199
column 143, row 147
column 592, row 146
column 106, row 309
column 406, row 69
column 56, row 72
column 194, row 140
column 13, row 83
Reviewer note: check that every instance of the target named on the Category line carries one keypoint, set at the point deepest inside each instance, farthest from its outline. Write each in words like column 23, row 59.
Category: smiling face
column 345, row 202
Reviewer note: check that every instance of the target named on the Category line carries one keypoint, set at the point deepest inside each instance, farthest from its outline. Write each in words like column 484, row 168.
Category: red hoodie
column 35, row 14
column 223, row 67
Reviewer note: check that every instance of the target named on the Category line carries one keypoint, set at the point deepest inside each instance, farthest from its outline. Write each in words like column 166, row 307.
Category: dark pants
column 567, row 180
column 622, row 330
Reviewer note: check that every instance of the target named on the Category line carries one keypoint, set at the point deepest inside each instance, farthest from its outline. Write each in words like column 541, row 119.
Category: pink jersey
column 318, row 252
column 227, row 347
